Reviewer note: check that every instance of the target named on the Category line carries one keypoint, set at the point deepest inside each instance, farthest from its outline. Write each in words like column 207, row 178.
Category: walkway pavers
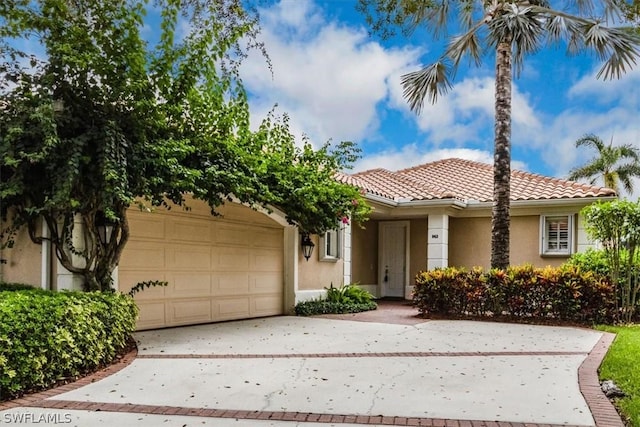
column 288, row 371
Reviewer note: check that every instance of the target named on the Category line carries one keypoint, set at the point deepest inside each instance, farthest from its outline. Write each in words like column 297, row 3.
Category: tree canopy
column 101, row 115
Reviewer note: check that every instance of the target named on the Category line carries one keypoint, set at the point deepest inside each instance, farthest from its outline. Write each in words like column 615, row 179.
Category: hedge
column 566, row 293
column 349, row 298
column 47, row 337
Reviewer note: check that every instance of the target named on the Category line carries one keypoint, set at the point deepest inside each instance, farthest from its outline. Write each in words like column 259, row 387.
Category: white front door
column 394, row 258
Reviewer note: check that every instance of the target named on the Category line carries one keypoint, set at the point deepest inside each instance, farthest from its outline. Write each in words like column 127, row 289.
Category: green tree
column 613, row 164
column 616, row 225
column 512, row 29
column 103, row 119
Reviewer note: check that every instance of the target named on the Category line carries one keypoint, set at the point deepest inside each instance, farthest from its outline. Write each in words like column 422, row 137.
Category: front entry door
column 393, row 265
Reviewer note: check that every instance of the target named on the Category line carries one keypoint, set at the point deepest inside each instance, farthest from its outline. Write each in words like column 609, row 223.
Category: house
column 246, row 263
column 439, row 214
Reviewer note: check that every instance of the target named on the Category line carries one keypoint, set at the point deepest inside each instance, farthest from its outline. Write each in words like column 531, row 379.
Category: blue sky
column 337, row 82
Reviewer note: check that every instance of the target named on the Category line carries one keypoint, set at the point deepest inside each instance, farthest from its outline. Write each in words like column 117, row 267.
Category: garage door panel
column 185, row 257
column 265, row 283
column 142, row 255
column 185, row 285
column 231, row 283
column 226, row 258
column 232, row 235
column 189, row 230
column 266, row 260
column 233, row 308
column 147, row 226
column 152, row 314
column 187, row 311
column 271, row 239
column 267, row 305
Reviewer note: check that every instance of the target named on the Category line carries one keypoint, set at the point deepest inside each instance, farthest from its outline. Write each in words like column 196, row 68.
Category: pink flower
column 345, row 220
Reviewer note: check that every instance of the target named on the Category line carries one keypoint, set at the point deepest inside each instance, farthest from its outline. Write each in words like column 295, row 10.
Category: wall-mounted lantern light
column 104, row 227
column 307, row 246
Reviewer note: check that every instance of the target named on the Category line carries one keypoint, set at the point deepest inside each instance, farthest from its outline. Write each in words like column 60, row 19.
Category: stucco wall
column 23, row 261
column 418, row 247
column 364, row 244
column 470, row 242
column 315, row 274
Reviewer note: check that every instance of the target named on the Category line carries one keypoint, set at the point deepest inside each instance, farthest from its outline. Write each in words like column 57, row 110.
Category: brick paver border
column 604, row 414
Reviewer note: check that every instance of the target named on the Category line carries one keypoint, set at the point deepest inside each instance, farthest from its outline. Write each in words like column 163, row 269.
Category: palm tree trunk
column 500, row 216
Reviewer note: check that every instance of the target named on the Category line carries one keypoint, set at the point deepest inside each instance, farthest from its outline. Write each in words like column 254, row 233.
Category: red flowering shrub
column 565, row 293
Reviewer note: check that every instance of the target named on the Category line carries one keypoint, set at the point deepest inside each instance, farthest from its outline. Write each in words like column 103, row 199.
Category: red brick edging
column 604, row 413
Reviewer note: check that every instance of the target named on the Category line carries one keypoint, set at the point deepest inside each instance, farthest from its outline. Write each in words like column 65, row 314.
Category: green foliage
column 616, row 165
column 616, row 225
column 97, row 118
column 591, row 260
column 621, row 366
column 141, row 286
column 565, row 293
column 349, row 298
column 46, row 337
column 15, row 287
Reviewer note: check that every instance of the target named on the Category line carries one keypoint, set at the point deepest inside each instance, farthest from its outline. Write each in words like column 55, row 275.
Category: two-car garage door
column 217, row 268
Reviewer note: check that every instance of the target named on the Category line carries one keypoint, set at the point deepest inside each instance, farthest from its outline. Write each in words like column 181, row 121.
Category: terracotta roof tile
column 465, row 180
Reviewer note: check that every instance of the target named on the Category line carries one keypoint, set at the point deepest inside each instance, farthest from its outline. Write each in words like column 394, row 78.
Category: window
column 330, row 246
column 557, row 236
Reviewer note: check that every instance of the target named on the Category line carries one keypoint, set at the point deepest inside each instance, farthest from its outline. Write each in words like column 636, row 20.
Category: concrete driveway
column 290, row 371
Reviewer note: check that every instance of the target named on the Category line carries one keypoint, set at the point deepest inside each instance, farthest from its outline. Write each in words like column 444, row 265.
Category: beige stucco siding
column 317, row 275
column 470, row 242
column 364, row 244
column 23, row 260
column 418, row 247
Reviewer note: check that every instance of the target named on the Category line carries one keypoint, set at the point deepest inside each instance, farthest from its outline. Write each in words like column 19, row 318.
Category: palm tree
column 609, row 164
column 513, row 29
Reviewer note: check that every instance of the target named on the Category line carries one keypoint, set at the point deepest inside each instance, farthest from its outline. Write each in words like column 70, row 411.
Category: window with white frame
column 330, row 245
column 556, row 232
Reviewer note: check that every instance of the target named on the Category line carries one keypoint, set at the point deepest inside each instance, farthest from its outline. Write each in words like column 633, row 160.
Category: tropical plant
column 96, row 119
column 614, row 164
column 512, row 29
column 616, row 225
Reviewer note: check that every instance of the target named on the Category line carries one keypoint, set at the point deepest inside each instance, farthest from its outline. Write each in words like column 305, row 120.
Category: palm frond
column 469, row 44
column 589, row 171
column 628, row 151
column 436, row 17
column 430, row 82
column 617, row 47
column 525, row 27
column 626, row 173
column 591, row 140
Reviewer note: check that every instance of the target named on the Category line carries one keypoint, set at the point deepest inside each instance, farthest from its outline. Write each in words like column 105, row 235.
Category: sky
column 337, row 82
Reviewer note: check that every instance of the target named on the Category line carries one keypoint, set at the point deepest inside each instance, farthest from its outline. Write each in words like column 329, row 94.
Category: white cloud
column 330, row 78
column 465, row 114
column 411, row 155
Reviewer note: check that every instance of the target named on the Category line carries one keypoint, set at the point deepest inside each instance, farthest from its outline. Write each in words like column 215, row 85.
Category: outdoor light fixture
column 307, row 246
column 104, row 227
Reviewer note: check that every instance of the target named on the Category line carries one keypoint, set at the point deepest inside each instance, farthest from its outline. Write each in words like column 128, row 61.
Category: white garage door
column 218, row 268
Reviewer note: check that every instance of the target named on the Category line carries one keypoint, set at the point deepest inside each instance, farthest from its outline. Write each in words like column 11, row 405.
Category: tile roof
column 467, row 181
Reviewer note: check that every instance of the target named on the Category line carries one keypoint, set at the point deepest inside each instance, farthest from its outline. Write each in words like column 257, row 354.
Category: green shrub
column 346, row 299
column 15, row 287
column 591, row 260
column 46, row 337
column 567, row 293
